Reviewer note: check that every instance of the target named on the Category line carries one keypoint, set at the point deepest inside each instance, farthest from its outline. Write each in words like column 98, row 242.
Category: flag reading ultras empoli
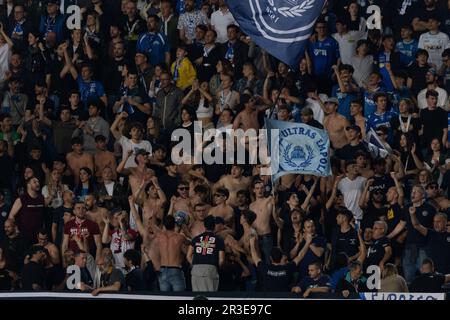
column 281, row 27
column 298, row 149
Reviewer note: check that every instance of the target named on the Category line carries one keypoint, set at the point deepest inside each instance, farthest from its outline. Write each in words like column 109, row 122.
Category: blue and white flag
column 375, row 146
column 281, row 27
column 297, row 148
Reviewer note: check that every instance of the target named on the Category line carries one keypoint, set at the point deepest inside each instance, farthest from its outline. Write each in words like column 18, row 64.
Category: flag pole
column 278, row 97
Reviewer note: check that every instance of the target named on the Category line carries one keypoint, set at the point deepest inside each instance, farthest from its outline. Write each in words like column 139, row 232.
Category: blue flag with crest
column 297, row 148
column 281, row 27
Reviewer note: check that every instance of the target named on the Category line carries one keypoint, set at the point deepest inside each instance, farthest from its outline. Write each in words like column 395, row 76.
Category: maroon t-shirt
column 74, row 228
column 31, row 216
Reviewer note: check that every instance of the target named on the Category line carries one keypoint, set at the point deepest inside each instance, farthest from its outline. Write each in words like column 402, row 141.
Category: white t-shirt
column 220, row 22
column 315, row 107
column 442, row 98
column 5, row 56
column 347, row 44
column 128, row 144
column 435, row 44
column 352, row 191
column 58, row 200
column 110, row 188
column 119, row 246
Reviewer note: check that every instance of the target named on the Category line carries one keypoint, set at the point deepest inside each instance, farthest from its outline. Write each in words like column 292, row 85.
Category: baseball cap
column 53, row 2
column 332, row 100
column 142, row 152
column 432, row 71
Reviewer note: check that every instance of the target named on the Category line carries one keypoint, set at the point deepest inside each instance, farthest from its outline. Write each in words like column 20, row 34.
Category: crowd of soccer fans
column 87, row 176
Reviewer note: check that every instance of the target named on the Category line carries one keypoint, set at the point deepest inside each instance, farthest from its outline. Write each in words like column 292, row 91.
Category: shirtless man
column 152, row 202
column 233, row 183
column 78, row 159
column 136, row 174
column 335, row 124
column 247, row 219
column 172, row 250
column 103, row 158
column 221, row 208
column 94, row 213
column 356, row 111
column 264, row 210
column 182, row 202
column 148, row 247
column 53, row 252
column 196, row 227
column 248, row 118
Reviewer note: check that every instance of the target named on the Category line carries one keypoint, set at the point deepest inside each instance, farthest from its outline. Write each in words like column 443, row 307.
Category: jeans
column 171, row 279
column 266, row 245
column 412, row 260
column 250, row 283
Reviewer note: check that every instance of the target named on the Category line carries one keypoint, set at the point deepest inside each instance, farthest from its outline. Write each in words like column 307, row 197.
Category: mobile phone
column 357, row 225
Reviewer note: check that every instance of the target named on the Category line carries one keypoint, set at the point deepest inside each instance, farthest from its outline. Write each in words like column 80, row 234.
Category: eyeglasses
column 183, row 188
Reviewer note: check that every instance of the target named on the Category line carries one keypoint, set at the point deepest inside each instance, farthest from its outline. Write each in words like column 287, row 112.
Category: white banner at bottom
column 401, row 296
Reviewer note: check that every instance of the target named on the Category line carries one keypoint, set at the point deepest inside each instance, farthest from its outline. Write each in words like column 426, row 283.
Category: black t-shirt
column 372, row 214
column 417, row 74
column 276, row 278
column 33, row 273
column 307, row 283
column 4, row 212
column 5, row 280
column 394, row 214
column 110, row 278
column 439, row 250
column 428, row 282
column 58, row 219
column 383, row 183
column 206, row 249
column 434, row 122
column 135, row 280
column 425, row 214
column 376, row 251
column 423, row 14
column 347, row 242
column 7, row 165
column 15, row 248
column 414, row 126
column 348, row 151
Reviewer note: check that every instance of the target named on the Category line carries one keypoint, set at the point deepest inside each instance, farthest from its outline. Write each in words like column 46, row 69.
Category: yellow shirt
column 186, row 73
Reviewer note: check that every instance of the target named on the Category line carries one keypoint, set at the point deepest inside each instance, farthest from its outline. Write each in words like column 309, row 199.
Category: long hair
column 390, row 269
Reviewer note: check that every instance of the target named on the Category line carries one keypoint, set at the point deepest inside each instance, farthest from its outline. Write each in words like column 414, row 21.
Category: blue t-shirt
column 90, row 90
column 369, row 104
column 377, row 120
column 407, row 51
column 344, row 101
column 155, row 45
column 383, row 58
column 324, row 54
column 399, row 94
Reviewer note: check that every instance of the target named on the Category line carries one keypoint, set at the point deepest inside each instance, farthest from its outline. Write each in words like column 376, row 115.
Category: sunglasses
column 218, row 195
column 183, row 188
column 432, row 187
